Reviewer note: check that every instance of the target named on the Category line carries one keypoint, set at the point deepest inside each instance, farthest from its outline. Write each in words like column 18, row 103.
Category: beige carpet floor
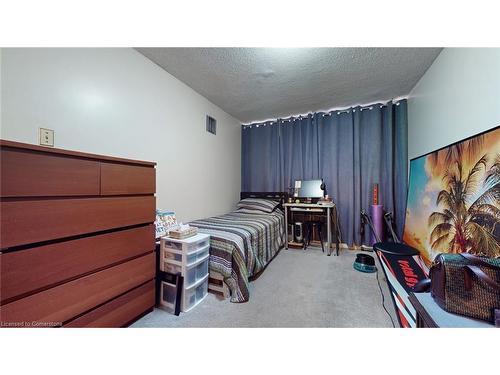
column 298, row 289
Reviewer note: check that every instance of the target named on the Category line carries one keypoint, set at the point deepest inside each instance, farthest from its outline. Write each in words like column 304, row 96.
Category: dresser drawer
column 118, row 179
column 30, row 221
column 26, row 173
column 32, row 269
column 119, row 311
column 63, row 302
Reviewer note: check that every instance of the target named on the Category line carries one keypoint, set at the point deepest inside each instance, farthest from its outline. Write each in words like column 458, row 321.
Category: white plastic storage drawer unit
column 195, row 272
column 190, row 258
column 187, row 245
column 193, row 295
column 190, row 297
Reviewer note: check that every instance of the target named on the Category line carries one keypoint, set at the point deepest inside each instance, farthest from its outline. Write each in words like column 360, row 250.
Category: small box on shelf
column 182, row 234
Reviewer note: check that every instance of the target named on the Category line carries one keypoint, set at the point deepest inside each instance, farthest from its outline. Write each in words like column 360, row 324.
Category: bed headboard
column 275, row 195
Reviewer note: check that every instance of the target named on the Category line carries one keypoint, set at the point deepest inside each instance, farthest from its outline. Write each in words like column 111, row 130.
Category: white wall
column 114, row 101
column 457, row 97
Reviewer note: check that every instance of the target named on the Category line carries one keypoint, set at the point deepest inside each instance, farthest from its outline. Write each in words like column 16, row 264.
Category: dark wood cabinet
column 29, row 173
column 32, row 221
column 117, row 179
column 117, row 312
column 39, row 267
column 77, row 237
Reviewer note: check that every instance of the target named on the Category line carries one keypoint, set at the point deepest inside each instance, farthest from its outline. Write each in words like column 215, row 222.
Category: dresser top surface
column 59, row 151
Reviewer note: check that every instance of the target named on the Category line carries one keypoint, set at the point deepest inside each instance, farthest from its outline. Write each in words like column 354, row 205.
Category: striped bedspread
column 241, row 245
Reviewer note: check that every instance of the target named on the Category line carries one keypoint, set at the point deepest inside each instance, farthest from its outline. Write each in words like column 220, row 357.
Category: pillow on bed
column 258, row 204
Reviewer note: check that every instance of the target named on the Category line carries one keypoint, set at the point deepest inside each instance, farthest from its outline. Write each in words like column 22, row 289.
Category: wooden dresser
column 77, row 238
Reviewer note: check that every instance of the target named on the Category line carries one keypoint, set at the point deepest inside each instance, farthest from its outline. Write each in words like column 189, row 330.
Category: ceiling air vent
column 211, row 125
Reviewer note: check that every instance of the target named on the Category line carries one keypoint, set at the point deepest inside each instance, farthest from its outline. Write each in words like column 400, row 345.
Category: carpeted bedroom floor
column 298, row 289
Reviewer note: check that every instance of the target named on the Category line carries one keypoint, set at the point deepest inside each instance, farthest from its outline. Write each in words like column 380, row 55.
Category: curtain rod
column 381, row 103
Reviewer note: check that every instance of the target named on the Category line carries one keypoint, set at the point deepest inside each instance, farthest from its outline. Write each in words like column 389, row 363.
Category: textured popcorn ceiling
column 255, row 84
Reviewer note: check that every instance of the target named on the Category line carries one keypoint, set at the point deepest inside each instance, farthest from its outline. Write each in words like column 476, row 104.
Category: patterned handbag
column 467, row 285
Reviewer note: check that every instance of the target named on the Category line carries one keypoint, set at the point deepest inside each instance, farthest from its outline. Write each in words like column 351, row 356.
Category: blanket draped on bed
column 241, row 245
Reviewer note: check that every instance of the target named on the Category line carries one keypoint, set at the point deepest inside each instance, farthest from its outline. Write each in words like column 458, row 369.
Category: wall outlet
column 46, row 137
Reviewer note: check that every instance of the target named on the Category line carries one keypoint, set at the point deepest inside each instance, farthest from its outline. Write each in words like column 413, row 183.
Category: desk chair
column 310, row 226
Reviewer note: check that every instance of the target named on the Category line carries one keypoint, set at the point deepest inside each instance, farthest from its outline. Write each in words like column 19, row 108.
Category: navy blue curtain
column 336, row 135
column 260, row 158
column 350, row 150
column 299, row 151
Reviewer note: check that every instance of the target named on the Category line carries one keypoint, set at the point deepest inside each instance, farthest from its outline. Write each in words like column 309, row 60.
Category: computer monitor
column 310, row 189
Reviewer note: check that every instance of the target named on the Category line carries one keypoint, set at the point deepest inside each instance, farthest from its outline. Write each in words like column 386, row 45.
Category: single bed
column 242, row 243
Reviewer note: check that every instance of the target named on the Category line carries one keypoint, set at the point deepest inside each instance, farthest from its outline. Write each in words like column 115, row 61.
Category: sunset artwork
column 454, row 199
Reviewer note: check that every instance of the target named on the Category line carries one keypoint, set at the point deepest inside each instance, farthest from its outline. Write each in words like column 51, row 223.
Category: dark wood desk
column 430, row 315
column 313, row 208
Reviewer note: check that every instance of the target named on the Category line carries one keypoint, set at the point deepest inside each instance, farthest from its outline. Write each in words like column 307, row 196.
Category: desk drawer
column 36, row 268
column 119, row 311
column 32, row 174
column 30, row 221
column 63, row 302
column 118, row 179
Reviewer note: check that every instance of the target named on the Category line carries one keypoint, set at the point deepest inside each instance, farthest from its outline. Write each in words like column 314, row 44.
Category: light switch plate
column 46, row 137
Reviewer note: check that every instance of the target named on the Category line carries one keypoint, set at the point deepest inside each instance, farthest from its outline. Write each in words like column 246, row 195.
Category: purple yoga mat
column 377, row 213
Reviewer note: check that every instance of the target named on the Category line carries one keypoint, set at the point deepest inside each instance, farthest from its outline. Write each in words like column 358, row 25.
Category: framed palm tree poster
column 453, row 202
